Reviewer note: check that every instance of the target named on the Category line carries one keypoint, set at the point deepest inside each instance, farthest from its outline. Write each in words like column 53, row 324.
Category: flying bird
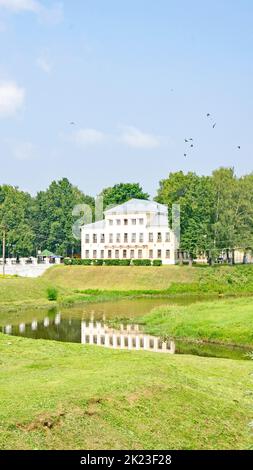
column 191, row 138
column 191, row 145
column 208, row 115
column 185, row 154
column 239, row 147
column 214, row 125
column 72, row 123
column 186, row 140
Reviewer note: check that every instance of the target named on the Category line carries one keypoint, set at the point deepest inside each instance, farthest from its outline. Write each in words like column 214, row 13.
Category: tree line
column 216, row 213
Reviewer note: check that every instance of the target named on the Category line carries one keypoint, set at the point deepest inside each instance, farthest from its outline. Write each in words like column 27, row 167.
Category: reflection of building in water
column 128, row 337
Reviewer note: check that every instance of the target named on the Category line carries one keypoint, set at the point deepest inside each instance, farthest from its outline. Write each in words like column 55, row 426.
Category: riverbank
column 137, row 400
column 226, row 321
column 76, row 284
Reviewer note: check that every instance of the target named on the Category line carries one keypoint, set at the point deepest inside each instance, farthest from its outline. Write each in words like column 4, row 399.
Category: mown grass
column 69, row 396
column 224, row 321
column 75, row 284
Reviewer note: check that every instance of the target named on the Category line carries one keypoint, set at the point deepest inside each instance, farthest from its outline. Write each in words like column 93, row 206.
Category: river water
column 109, row 324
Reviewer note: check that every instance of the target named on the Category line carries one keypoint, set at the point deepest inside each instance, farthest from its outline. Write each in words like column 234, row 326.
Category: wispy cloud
column 44, row 64
column 135, row 138
column 83, row 137
column 11, row 98
column 24, row 151
column 52, row 14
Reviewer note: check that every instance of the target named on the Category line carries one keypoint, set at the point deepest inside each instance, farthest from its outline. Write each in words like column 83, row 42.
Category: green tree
column 121, row 193
column 16, row 209
column 194, row 194
column 53, row 217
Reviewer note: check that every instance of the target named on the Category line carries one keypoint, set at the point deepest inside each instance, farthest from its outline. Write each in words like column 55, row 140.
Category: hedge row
column 111, row 262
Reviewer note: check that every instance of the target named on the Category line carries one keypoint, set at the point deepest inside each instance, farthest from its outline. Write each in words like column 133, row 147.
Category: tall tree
column 53, row 216
column 16, row 217
column 194, row 194
column 121, row 193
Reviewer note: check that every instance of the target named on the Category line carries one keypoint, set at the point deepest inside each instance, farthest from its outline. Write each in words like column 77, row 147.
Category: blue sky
column 136, row 77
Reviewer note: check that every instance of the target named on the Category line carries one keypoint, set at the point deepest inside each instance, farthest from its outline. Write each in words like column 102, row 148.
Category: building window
column 168, row 254
column 133, row 237
column 102, row 238
column 124, row 253
column 102, row 254
column 159, row 237
column 118, row 222
column 139, row 254
column 159, row 254
column 141, row 238
column 87, row 238
column 131, row 254
column 125, row 238
column 167, row 237
column 117, row 254
column 95, row 238
column 109, row 254
column 118, row 238
column 110, row 238
column 141, row 221
column 151, row 237
column 133, row 221
column 125, row 221
column 87, row 254
column 110, row 222
column 94, row 254
column 151, row 254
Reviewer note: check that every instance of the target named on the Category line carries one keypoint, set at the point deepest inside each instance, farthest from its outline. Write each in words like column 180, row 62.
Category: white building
column 137, row 229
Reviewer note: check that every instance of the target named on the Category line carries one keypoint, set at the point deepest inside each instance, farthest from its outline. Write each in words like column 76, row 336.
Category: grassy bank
column 104, row 399
column 101, row 283
column 223, row 321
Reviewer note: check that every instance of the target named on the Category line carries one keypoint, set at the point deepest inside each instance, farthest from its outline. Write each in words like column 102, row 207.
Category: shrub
column 117, row 262
column 81, row 262
column 67, row 261
column 141, row 262
column 98, row 262
column 157, row 262
column 52, row 293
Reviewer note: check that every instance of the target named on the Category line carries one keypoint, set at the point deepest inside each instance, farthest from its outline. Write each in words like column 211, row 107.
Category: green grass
column 69, row 396
column 222, row 321
column 99, row 283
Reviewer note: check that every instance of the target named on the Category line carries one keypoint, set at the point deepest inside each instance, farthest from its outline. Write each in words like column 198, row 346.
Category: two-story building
column 137, row 229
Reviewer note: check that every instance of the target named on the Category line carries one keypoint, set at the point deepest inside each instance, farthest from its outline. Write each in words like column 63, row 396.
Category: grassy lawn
column 225, row 321
column 69, row 396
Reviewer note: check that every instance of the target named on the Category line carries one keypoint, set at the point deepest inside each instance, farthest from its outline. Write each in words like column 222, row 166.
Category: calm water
column 92, row 324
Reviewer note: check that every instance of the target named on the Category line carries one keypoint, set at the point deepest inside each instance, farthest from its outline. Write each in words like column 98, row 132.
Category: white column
column 129, row 342
column 146, row 342
column 22, row 327
column 122, row 343
column 137, row 339
column 34, row 325
column 107, row 340
column 114, row 340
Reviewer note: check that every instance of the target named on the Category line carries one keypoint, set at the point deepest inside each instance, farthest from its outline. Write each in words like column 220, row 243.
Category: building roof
column 137, row 205
column 100, row 224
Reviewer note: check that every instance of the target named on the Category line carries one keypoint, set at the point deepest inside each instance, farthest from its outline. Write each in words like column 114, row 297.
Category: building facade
column 137, row 229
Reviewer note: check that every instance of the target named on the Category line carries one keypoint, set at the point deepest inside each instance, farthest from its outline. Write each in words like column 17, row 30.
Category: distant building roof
column 96, row 225
column 137, row 205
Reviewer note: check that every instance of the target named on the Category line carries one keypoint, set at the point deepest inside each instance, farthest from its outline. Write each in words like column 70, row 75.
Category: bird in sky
column 191, row 145
column 208, row 115
column 186, row 140
column 191, row 139
column 214, row 125
column 239, row 147
column 72, row 123
column 185, row 154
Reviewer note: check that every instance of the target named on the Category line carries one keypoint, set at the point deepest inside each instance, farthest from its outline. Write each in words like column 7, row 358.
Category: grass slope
column 69, row 396
column 224, row 321
column 119, row 277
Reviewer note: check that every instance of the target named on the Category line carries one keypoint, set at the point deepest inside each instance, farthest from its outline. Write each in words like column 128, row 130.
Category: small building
column 137, row 229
